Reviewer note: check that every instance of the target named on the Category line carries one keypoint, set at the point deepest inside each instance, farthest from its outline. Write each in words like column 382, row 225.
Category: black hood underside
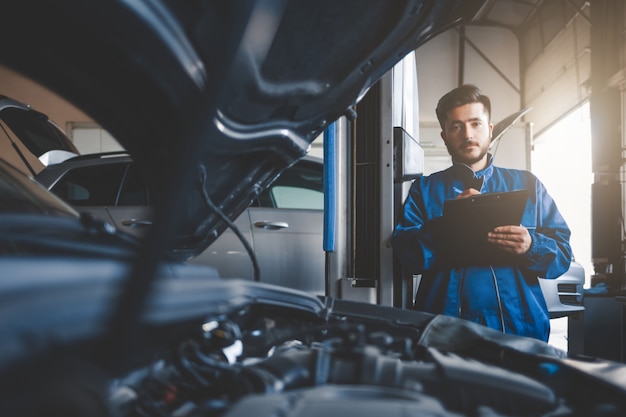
column 214, row 99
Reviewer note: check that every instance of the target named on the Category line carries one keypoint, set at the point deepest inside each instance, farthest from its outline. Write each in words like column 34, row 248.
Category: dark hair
column 465, row 94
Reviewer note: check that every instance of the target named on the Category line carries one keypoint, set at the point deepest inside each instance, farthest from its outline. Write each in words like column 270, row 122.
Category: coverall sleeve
column 413, row 239
column 550, row 253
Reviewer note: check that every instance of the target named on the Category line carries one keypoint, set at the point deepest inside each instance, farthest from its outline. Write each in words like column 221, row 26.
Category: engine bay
column 268, row 361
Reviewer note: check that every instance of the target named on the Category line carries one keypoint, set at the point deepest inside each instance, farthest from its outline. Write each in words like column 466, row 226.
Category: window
column 297, row 198
column 561, row 158
column 91, row 186
column 299, row 187
column 134, row 191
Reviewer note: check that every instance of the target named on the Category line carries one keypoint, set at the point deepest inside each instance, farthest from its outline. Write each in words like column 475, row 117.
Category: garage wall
column 41, row 99
column 87, row 135
column 91, row 138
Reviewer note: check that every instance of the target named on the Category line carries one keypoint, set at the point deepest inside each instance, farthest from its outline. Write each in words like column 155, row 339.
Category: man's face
column 467, row 134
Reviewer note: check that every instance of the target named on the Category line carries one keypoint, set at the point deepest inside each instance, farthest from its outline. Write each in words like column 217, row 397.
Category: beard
column 460, row 154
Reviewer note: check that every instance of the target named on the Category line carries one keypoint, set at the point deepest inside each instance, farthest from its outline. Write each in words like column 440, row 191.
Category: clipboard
column 466, row 222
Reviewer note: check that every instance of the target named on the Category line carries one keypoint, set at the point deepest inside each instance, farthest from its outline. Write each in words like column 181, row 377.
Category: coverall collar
column 464, row 170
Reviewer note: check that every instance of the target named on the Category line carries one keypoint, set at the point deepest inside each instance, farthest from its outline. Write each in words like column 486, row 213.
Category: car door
column 228, row 254
column 284, row 227
column 133, row 210
column 287, row 229
column 92, row 188
column 111, row 191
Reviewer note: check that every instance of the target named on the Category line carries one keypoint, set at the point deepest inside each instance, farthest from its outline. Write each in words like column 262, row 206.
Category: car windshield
column 19, row 194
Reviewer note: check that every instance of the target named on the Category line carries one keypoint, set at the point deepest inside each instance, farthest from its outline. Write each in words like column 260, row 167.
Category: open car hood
column 30, row 140
column 214, row 99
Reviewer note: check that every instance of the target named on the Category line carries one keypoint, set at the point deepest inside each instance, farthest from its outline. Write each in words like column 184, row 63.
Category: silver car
column 283, row 225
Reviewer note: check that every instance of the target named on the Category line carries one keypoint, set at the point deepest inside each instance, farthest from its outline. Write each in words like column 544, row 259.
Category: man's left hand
column 513, row 239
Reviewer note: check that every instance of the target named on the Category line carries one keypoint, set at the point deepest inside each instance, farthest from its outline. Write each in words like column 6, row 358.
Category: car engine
column 208, row 347
column 274, row 361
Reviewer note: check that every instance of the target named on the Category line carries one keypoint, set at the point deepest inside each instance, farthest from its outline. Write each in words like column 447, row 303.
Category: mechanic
column 500, row 290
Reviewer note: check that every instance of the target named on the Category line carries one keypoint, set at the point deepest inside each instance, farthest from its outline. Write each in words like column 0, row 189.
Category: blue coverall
column 505, row 295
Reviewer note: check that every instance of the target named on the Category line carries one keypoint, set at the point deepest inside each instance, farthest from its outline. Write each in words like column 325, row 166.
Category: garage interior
column 552, row 57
